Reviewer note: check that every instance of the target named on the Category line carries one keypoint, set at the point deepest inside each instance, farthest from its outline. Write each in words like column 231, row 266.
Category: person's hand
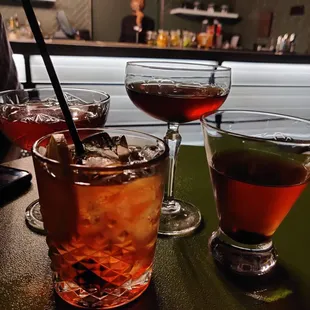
column 139, row 15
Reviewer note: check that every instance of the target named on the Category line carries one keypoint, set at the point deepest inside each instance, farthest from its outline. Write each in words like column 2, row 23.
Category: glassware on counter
column 292, row 43
column 162, row 38
column 202, row 37
column 211, row 7
column 217, row 38
column 189, row 39
column 286, row 43
column 186, row 38
column 175, row 38
column 224, row 8
column 210, row 36
column 202, row 40
column 197, row 5
column 151, row 37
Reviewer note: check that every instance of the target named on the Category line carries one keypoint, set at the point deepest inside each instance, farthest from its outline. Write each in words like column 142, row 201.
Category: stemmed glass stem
column 173, row 139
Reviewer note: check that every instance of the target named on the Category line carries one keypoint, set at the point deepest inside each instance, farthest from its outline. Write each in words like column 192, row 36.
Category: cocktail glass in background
column 177, row 93
column 102, row 222
column 27, row 115
column 259, row 165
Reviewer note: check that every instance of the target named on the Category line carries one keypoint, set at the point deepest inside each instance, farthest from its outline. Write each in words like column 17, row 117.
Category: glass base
column 108, row 296
column 34, row 218
column 178, row 218
column 248, row 260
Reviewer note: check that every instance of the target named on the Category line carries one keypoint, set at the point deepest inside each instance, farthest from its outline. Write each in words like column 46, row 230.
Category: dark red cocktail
column 176, row 103
column 25, row 118
column 259, row 166
column 177, row 93
column 254, row 192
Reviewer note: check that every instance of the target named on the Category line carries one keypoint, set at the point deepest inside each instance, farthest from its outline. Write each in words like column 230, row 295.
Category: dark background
column 103, row 17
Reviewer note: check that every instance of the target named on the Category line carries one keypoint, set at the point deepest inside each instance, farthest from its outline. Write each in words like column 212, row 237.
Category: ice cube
column 94, row 151
column 121, row 148
column 115, row 148
column 150, row 152
column 135, row 156
column 101, row 140
column 98, row 162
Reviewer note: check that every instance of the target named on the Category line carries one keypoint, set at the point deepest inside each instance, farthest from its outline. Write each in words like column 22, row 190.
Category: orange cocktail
column 102, row 221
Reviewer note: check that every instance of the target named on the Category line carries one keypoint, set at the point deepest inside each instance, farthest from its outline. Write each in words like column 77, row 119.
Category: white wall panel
column 20, row 66
column 285, row 100
column 89, row 70
column 269, row 74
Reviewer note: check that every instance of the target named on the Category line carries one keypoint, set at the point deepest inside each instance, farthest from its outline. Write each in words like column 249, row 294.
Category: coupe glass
column 27, row 115
column 177, row 93
column 259, row 165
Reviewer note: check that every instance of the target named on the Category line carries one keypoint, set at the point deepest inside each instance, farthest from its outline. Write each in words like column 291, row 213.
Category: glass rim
column 103, row 93
column 200, row 66
column 153, row 161
column 206, row 124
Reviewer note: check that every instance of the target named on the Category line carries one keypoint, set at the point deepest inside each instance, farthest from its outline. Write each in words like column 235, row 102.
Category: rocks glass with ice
column 27, row 115
column 101, row 213
column 177, row 93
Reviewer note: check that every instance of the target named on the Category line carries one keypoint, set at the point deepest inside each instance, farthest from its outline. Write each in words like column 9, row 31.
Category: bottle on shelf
column 175, row 38
column 16, row 22
column 211, row 8
column 202, row 37
column 162, row 38
column 210, row 36
column 218, row 37
column 292, row 43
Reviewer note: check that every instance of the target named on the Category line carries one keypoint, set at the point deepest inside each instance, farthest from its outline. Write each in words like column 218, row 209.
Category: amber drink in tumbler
column 102, row 216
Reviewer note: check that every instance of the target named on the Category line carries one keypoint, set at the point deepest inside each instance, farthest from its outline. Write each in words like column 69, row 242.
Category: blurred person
column 136, row 22
column 8, row 80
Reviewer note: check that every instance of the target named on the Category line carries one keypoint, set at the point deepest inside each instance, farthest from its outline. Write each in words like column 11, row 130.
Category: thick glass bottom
column 34, row 218
column 109, row 296
column 243, row 259
column 178, row 218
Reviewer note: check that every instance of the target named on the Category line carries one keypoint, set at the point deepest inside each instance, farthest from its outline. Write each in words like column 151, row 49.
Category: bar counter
column 113, row 49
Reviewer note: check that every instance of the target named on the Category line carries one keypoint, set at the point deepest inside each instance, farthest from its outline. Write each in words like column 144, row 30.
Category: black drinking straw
column 52, row 75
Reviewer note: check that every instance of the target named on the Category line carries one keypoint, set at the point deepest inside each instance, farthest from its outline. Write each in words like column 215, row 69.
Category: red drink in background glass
column 25, row 124
column 176, row 103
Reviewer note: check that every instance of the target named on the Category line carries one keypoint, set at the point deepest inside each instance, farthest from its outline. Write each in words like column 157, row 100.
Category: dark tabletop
column 185, row 276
